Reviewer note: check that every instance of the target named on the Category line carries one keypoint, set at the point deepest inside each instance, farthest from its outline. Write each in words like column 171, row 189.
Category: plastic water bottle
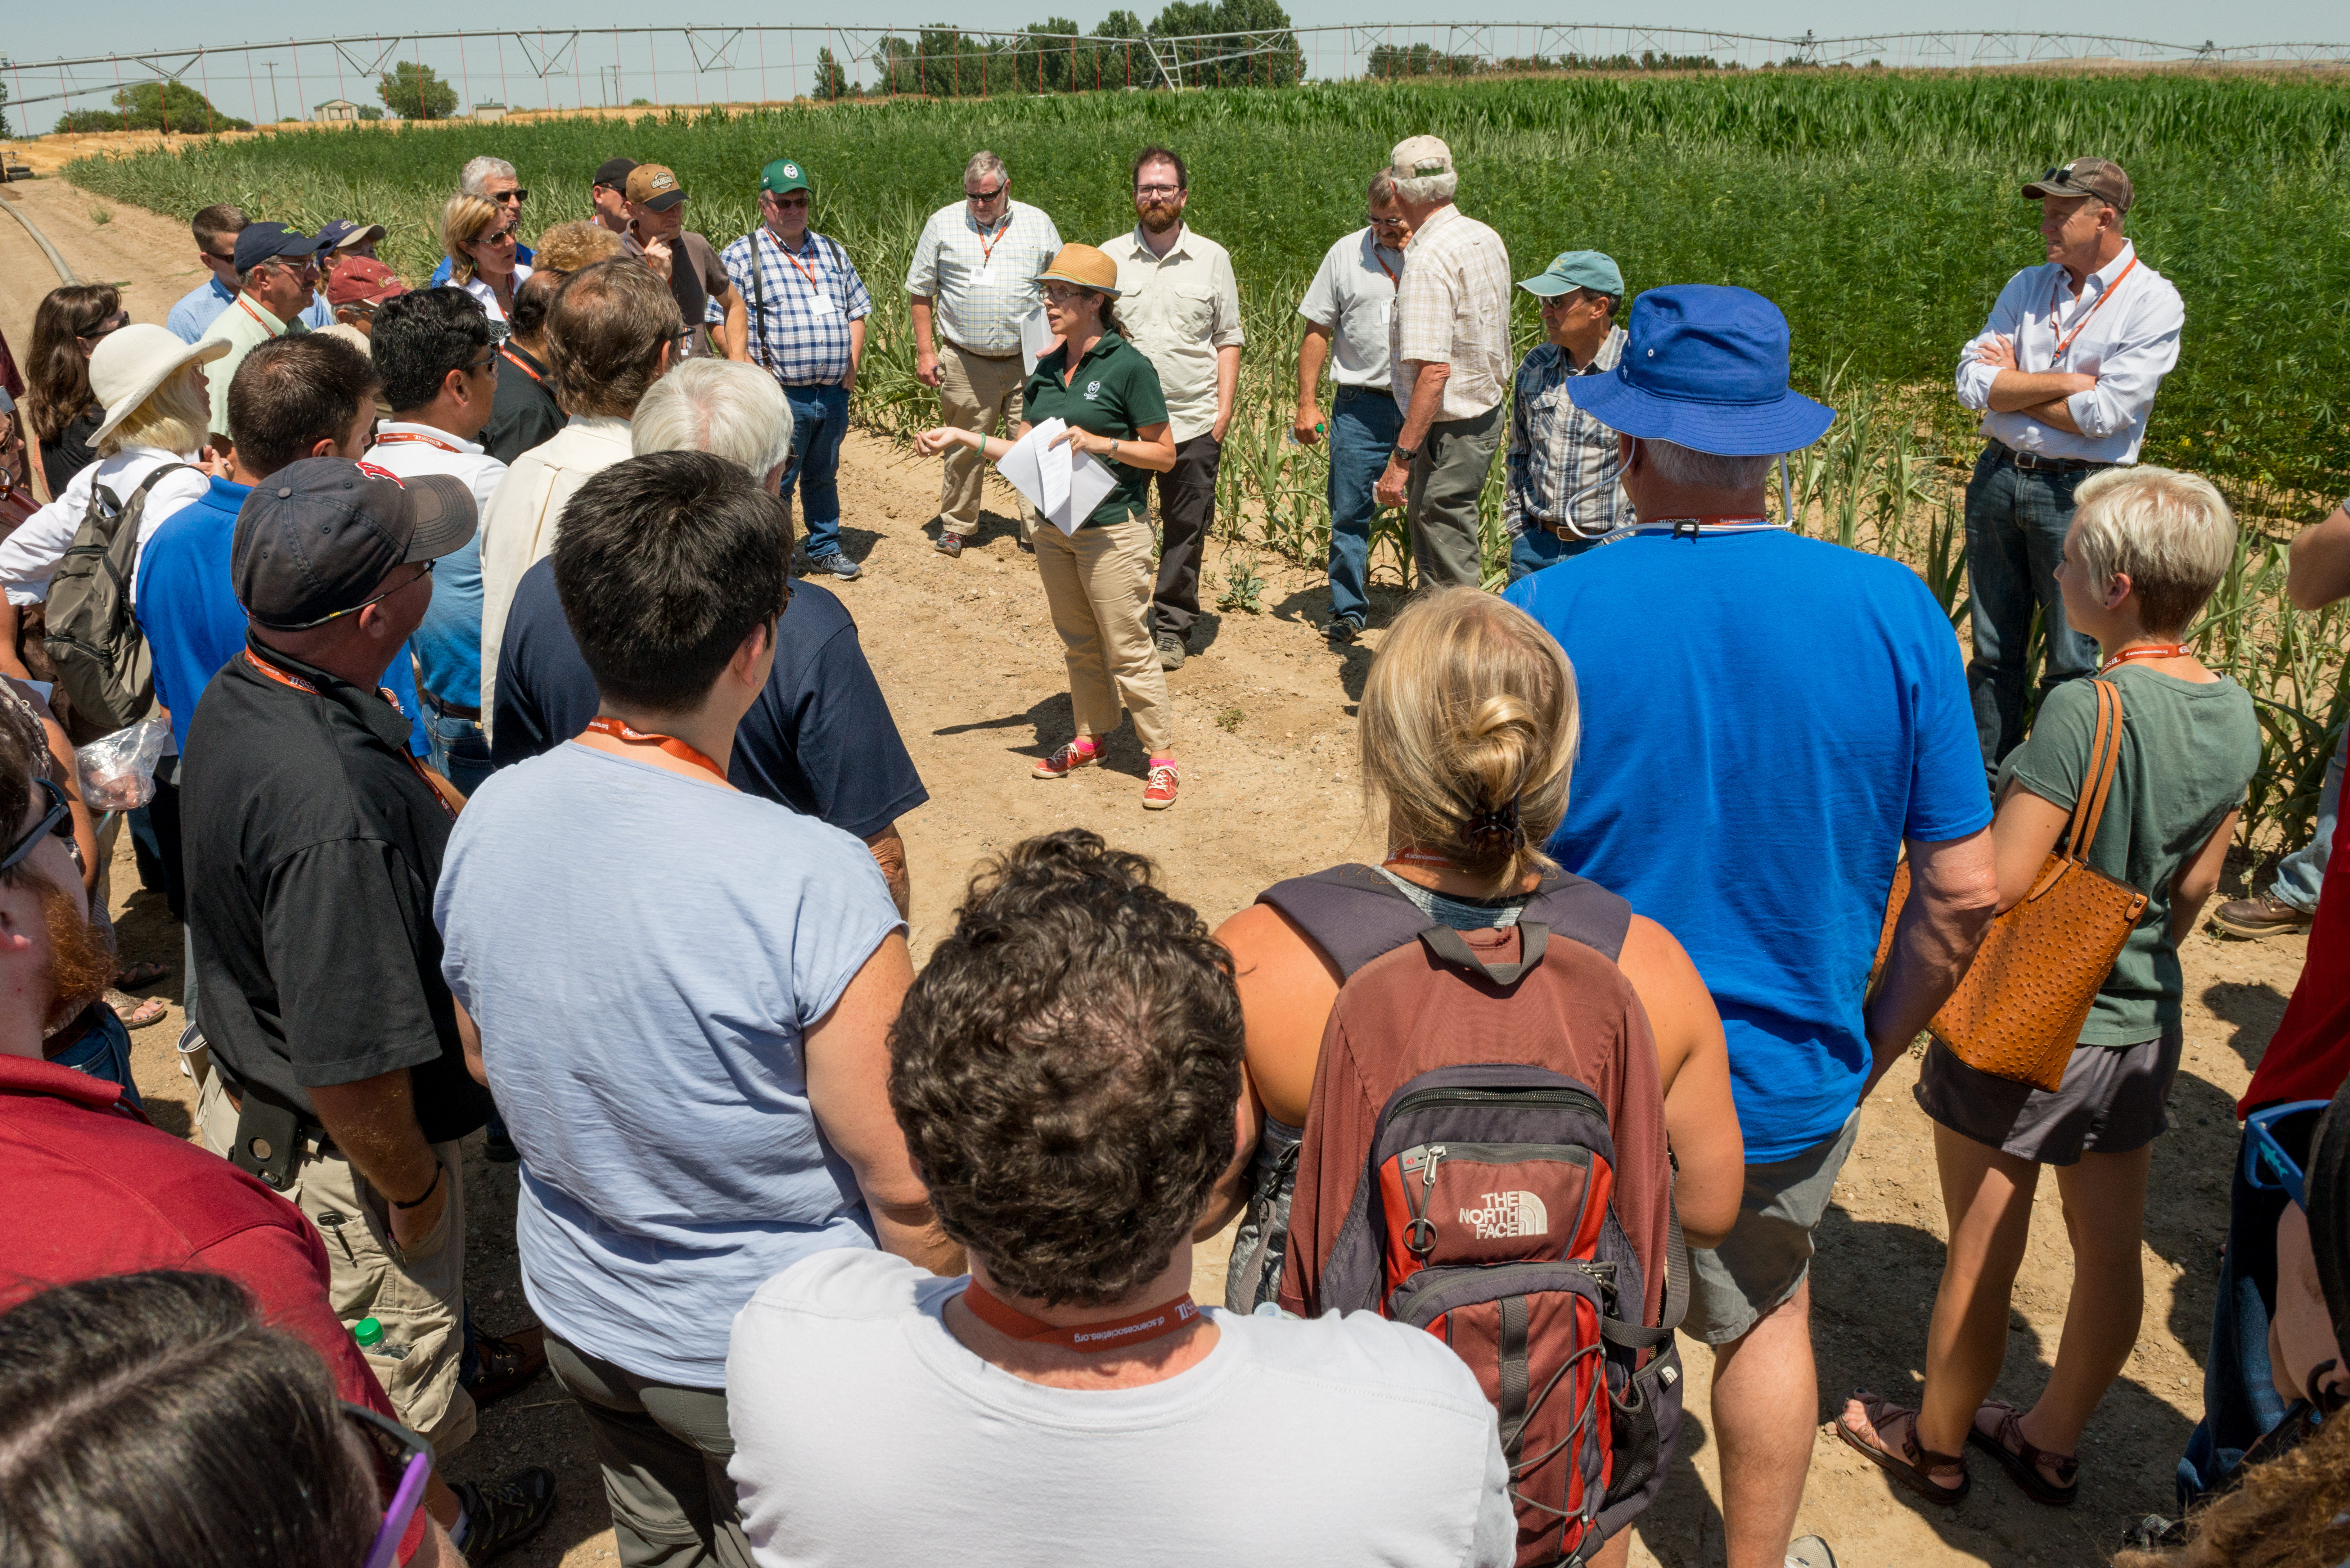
column 1290, row 434
column 369, row 1332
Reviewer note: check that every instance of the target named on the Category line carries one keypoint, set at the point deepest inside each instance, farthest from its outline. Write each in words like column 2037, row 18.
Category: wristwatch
column 1405, row 455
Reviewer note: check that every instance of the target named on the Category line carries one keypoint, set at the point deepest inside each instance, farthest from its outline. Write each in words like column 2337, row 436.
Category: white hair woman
column 2147, row 548
column 1098, row 575
column 482, row 259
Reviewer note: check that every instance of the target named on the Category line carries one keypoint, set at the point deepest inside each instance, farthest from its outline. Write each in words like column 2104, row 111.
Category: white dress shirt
column 29, row 556
column 489, row 296
column 518, row 525
column 2128, row 319
column 1354, row 294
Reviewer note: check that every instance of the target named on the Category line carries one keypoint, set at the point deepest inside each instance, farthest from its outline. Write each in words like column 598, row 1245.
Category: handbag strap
column 2089, row 810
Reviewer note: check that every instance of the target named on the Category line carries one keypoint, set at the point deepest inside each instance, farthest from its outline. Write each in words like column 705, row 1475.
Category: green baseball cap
column 1577, row 269
column 784, row 174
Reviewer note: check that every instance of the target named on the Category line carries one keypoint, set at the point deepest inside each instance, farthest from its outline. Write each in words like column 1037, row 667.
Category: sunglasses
column 517, row 196
column 218, row 260
column 404, row 1463
column 355, row 609
column 114, row 322
column 1379, row 223
column 2269, row 1167
column 983, row 197
column 799, row 201
column 58, row 820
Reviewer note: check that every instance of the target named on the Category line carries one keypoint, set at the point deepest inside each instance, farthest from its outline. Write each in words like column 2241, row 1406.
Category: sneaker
column 838, row 564
column 508, row 1364
column 1159, row 793
column 1171, row 651
column 2263, row 916
column 1070, row 755
column 1811, row 1552
column 1342, row 630
column 499, row 1145
column 949, row 545
column 502, row 1515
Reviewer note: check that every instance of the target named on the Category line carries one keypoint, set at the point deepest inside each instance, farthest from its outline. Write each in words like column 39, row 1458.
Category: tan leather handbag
column 2018, row 1011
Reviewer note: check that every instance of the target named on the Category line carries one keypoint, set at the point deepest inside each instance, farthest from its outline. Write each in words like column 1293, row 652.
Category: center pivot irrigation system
column 647, row 66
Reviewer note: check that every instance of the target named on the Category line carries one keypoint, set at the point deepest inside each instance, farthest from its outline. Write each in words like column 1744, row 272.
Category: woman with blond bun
column 1098, row 575
column 1469, row 734
column 483, row 257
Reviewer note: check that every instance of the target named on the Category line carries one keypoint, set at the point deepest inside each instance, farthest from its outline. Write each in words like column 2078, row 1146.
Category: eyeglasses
column 363, row 604
column 57, row 820
column 488, row 362
column 404, row 1463
column 983, row 197
column 1158, row 189
column 2268, row 1165
column 517, row 196
column 799, row 201
column 1059, row 294
column 1379, row 223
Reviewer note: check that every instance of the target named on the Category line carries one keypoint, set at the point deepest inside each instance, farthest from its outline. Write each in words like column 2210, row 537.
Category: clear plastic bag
column 118, row 771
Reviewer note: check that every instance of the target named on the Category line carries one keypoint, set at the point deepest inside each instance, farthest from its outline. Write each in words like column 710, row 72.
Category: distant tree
column 3, row 110
column 831, row 81
column 415, row 91
column 1262, row 50
column 154, row 106
column 370, row 112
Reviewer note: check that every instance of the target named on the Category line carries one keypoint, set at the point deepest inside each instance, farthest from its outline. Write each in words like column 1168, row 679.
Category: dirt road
column 1265, row 712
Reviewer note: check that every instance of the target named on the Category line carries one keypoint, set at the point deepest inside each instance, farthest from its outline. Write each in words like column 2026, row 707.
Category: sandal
column 146, row 972
column 1910, row 1466
column 2006, row 1443
column 136, row 1013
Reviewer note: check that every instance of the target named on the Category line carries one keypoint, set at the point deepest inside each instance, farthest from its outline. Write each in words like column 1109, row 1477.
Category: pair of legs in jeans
column 819, row 419
column 1364, row 423
column 2016, row 521
column 2300, row 875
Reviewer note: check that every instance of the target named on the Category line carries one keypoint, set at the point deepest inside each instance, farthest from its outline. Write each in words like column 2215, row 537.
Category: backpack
column 93, row 636
column 1487, row 1208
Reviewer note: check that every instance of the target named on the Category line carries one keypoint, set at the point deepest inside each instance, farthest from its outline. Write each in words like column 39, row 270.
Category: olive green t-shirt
column 2187, row 751
column 1114, row 393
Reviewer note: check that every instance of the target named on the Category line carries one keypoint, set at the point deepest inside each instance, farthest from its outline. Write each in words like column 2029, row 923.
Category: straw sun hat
column 132, row 362
column 1084, row 266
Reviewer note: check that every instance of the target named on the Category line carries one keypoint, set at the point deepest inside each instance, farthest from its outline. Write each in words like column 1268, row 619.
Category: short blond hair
column 463, row 221
column 175, row 416
column 1469, row 719
column 2171, row 534
column 575, row 242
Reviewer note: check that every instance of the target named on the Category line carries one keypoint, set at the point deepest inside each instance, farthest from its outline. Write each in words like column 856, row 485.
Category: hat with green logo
column 784, row 174
column 1571, row 270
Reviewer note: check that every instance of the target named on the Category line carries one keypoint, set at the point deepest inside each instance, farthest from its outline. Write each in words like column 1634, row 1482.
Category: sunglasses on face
column 983, row 197
column 229, row 260
column 363, row 604
column 57, row 820
column 114, row 322
column 517, row 196
column 402, row 1462
column 794, row 202
column 1379, row 223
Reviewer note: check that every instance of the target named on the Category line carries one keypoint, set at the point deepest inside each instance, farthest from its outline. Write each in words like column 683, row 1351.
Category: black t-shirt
column 71, row 452
column 312, row 847
column 820, row 739
column 523, row 411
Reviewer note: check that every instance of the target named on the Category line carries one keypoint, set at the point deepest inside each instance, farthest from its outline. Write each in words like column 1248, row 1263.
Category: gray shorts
column 2109, row 1102
column 1768, row 1253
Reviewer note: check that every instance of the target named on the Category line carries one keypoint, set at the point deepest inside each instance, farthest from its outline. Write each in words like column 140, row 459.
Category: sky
column 43, row 32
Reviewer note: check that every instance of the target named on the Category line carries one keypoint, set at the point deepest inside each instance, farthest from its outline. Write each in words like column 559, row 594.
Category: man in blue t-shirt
column 1752, row 792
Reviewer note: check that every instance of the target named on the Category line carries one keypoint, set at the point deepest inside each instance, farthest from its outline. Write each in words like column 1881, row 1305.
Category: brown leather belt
column 975, row 354
column 2033, row 463
column 471, row 715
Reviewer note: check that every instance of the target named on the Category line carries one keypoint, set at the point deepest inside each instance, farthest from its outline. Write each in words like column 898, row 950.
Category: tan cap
column 2099, row 177
column 653, row 185
column 1419, row 157
column 1084, row 266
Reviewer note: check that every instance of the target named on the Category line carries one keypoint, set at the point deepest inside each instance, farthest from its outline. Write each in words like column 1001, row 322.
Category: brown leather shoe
column 508, row 1363
column 2265, row 915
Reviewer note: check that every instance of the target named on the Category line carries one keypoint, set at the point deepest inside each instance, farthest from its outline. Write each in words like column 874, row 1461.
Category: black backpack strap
column 1636, row 1336
column 1355, row 915
column 1449, row 947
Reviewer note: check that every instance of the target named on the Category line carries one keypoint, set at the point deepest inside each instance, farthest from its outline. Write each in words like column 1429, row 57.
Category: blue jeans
column 2300, row 875
column 819, row 418
column 1363, row 431
column 2016, row 535
column 1538, row 547
column 460, row 751
column 2240, row 1403
column 103, row 1051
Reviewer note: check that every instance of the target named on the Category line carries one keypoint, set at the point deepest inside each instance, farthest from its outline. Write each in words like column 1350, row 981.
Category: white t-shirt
column 866, row 1433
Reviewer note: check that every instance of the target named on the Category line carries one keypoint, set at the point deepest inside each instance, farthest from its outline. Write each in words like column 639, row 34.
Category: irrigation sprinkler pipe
column 65, row 273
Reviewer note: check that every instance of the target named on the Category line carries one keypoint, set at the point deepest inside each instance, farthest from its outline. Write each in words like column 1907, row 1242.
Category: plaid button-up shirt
column 985, row 284
column 798, row 319
column 1562, row 465
column 1452, row 307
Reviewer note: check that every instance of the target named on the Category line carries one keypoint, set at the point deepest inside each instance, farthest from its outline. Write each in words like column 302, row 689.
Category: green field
column 1880, row 212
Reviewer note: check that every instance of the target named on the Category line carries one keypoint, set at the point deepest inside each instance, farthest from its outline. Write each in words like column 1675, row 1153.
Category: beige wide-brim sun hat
column 132, row 361
column 1084, row 266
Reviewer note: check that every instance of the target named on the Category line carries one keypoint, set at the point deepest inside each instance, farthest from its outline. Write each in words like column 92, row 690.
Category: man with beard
column 73, row 1145
column 1182, row 309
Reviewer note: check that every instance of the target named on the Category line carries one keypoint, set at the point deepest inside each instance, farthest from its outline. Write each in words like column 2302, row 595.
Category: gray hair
column 1426, row 189
column 982, row 164
column 2171, row 534
column 722, row 407
column 1698, row 469
column 1382, row 189
column 474, row 180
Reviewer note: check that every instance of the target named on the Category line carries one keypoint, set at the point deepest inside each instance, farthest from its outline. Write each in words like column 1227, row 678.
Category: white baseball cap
column 132, row 362
column 1419, row 157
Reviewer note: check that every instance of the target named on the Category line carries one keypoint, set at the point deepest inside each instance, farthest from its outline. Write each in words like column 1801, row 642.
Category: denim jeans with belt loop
column 1364, row 425
column 2016, row 520
column 819, row 419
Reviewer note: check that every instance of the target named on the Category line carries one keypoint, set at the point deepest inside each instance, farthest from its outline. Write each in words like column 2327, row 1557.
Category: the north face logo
column 1508, row 1214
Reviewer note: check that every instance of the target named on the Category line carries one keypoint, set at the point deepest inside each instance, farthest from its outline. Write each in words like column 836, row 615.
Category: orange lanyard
column 2131, row 655
column 508, row 356
column 2105, row 294
column 618, row 730
column 390, row 437
column 1393, row 277
column 1166, row 1318
column 242, row 305
column 264, row 666
column 986, row 245
column 805, row 271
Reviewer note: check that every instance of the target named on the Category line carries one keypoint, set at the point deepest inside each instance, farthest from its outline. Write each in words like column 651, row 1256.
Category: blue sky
column 37, row 33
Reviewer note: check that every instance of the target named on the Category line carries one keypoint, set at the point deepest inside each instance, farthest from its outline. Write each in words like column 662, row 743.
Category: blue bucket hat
column 1705, row 367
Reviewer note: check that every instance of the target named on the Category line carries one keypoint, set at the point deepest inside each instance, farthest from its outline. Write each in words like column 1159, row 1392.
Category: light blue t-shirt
column 194, row 313
column 1765, row 719
column 642, row 951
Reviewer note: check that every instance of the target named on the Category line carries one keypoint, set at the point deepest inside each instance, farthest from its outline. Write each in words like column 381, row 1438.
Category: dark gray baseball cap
column 317, row 539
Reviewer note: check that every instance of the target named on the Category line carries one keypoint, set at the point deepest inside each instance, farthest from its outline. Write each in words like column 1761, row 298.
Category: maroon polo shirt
column 93, row 1189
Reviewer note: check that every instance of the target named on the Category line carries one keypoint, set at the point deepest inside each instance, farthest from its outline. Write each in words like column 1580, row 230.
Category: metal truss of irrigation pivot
column 552, row 52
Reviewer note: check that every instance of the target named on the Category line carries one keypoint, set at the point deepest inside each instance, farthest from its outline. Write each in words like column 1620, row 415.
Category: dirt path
column 967, row 656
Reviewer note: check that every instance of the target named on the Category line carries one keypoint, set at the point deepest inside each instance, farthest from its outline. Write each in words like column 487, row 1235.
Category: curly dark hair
column 1065, row 1070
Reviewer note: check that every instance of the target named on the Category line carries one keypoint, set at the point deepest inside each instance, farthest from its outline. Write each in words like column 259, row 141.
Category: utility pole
column 273, row 91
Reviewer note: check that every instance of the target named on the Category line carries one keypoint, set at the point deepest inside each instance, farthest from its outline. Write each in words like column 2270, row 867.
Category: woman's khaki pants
column 1098, row 582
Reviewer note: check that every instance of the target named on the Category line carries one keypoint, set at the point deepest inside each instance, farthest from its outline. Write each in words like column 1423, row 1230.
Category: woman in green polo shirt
column 1097, row 580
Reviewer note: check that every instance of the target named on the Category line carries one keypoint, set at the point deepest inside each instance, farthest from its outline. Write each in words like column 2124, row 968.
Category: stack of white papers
column 1063, row 485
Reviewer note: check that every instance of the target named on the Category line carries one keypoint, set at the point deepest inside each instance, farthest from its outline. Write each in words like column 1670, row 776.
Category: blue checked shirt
column 799, row 331
column 1563, row 463
column 984, row 285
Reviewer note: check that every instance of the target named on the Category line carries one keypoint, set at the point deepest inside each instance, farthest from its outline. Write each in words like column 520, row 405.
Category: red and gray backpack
column 1486, row 1211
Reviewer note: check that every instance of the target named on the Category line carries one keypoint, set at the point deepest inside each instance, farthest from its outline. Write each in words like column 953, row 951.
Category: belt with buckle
column 448, row 710
column 979, row 354
column 2033, row 463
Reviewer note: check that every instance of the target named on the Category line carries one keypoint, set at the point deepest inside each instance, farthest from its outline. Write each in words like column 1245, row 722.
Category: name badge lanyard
column 2055, row 300
column 390, row 438
column 508, row 356
column 987, row 246
column 619, row 730
column 1093, row 1338
column 263, row 666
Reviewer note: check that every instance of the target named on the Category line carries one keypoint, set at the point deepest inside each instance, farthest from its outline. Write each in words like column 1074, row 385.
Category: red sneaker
column 1159, row 793
column 1070, row 755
